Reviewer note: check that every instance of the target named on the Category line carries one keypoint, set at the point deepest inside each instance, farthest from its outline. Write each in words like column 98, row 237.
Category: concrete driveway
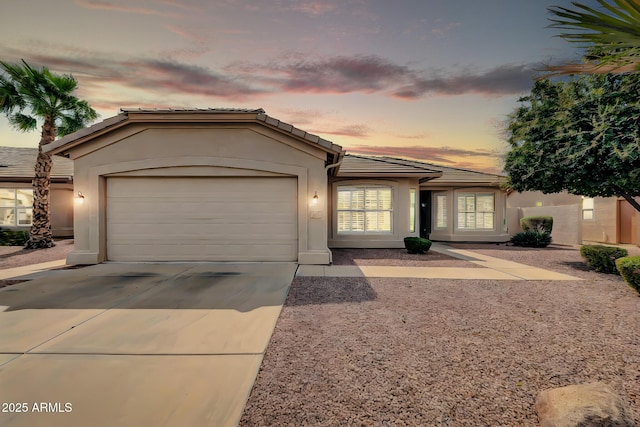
column 137, row 344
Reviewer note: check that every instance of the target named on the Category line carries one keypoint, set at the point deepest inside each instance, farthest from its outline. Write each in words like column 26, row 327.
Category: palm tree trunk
column 40, row 235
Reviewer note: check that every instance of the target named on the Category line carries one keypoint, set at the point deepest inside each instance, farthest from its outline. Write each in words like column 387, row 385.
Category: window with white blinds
column 442, row 212
column 364, row 209
column 476, row 211
column 412, row 209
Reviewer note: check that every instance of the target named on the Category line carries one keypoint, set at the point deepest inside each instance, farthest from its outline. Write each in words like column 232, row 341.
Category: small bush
column 629, row 269
column 13, row 237
column 531, row 239
column 603, row 258
column 541, row 224
column 417, row 245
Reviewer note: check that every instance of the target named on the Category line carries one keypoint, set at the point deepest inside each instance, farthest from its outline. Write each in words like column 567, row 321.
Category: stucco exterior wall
column 202, row 150
column 401, row 215
column 565, row 208
column 603, row 227
column 567, row 222
column 62, row 200
column 530, row 199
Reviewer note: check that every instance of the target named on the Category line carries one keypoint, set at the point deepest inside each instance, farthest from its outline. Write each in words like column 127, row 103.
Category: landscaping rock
column 582, row 405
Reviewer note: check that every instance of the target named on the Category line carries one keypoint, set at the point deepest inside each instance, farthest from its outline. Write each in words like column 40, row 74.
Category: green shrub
column 603, row 258
column 13, row 237
column 629, row 269
column 531, row 239
column 417, row 245
column 541, row 224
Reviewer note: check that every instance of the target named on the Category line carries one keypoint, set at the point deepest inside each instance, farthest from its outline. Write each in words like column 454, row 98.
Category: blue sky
column 427, row 79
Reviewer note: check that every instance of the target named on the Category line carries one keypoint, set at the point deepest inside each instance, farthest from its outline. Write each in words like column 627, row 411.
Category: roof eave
column 421, row 176
column 467, row 183
column 126, row 117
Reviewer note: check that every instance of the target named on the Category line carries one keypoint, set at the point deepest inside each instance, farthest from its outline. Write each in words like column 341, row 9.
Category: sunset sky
column 427, row 79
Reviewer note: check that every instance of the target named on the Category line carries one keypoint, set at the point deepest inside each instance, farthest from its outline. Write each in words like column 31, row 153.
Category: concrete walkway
column 28, row 270
column 494, row 269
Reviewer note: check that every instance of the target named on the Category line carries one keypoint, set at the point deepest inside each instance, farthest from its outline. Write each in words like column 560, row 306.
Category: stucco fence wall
column 567, row 223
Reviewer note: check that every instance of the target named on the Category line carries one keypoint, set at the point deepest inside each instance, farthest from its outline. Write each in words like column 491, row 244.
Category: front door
column 627, row 225
column 425, row 213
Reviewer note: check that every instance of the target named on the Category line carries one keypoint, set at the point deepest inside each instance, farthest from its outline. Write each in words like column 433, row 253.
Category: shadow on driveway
column 241, row 287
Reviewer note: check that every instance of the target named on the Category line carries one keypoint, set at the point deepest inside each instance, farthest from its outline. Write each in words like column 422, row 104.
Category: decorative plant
column 629, row 269
column 543, row 224
column 603, row 258
column 531, row 239
column 13, row 237
column 417, row 245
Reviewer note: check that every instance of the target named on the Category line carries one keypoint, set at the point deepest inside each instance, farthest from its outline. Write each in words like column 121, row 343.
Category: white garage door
column 202, row 219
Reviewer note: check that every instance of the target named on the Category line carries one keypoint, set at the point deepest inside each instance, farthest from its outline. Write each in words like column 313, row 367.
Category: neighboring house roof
column 355, row 166
column 18, row 164
column 209, row 115
column 454, row 176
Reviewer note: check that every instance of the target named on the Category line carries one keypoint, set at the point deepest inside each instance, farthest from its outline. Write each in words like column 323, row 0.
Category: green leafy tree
column 611, row 36
column 28, row 96
column 581, row 136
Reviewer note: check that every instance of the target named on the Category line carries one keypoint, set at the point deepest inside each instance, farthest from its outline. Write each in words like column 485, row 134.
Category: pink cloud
column 103, row 5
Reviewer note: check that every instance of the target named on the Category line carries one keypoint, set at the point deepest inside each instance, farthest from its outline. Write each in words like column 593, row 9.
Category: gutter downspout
column 335, row 165
column 326, row 169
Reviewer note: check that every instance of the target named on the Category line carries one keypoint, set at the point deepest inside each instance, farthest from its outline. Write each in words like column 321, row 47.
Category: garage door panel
column 218, row 219
column 257, row 231
column 233, row 252
column 217, row 212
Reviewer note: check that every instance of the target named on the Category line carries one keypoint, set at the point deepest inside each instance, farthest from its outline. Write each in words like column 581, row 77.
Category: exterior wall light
column 314, row 200
column 80, row 198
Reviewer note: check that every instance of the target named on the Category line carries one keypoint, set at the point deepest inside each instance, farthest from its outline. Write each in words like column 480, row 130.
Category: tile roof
column 452, row 175
column 19, row 162
column 178, row 115
column 365, row 166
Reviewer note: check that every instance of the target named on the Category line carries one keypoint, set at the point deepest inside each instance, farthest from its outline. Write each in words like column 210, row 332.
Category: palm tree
column 612, row 37
column 28, row 95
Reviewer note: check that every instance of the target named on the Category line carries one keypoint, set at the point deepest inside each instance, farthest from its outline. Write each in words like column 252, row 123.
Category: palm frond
column 23, row 122
column 10, row 98
column 612, row 36
column 621, row 27
column 76, row 117
column 44, row 94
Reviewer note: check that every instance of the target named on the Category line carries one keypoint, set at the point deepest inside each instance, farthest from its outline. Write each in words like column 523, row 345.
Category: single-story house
column 17, row 166
column 579, row 219
column 239, row 185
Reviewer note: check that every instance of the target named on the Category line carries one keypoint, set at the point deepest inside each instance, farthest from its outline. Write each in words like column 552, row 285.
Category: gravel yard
column 355, row 351
column 396, row 257
column 16, row 256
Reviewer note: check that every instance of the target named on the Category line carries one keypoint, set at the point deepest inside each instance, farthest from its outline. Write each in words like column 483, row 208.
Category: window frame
column 364, row 187
column 17, row 208
column 475, row 212
column 589, row 209
column 413, row 205
column 445, row 210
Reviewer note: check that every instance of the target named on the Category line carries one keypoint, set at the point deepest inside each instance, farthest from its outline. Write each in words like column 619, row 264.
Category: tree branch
column 631, row 201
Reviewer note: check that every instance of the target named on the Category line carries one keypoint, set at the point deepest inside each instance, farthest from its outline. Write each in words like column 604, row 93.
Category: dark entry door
column 627, row 228
column 425, row 213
